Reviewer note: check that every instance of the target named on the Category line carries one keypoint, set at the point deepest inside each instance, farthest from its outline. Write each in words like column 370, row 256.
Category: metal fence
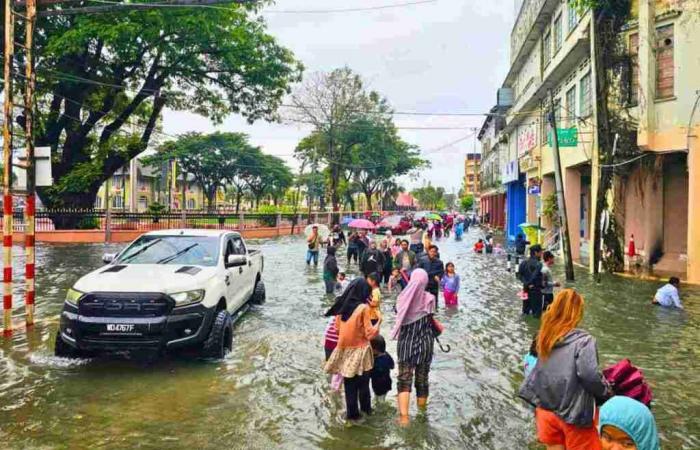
column 99, row 219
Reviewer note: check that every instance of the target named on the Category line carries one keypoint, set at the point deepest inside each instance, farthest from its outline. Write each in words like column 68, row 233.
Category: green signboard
column 567, row 137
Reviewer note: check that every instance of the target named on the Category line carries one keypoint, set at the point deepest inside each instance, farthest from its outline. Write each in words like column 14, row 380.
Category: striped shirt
column 415, row 344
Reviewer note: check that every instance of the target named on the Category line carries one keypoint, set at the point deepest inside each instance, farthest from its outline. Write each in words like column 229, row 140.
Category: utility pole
column 561, row 200
column 7, row 171
column 30, row 207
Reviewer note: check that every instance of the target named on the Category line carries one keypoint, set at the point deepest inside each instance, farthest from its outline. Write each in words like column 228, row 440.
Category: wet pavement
column 270, row 392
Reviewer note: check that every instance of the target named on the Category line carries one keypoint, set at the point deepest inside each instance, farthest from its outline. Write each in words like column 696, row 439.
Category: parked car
column 398, row 225
column 169, row 289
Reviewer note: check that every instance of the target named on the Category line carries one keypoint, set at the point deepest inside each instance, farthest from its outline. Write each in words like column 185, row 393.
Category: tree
column 467, row 202
column 107, row 77
column 379, row 155
column 270, row 175
column 212, row 159
column 429, row 197
column 331, row 102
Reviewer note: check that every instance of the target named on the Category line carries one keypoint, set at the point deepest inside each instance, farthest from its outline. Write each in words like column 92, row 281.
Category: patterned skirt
column 350, row 362
column 415, row 345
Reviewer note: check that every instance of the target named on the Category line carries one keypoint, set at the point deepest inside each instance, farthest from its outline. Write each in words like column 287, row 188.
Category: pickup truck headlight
column 188, row 297
column 73, row 295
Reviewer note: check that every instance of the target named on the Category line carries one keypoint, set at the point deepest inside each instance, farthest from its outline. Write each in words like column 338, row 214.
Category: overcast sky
column 444, row 56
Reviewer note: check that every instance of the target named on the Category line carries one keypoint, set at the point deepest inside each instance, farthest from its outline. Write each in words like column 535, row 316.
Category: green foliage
column 156, row 208
column 88, row 223
column 107, row 77
column 429, row 197
column 467, row 203
column 550, row 209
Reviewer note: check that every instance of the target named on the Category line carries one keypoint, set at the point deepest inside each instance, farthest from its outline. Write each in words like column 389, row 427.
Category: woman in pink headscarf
column 414, row 332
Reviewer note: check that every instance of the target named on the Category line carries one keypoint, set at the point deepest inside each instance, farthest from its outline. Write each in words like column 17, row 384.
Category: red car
column 398, row 225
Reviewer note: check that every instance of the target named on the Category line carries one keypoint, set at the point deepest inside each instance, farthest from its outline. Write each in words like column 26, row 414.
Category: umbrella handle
column 446, row 348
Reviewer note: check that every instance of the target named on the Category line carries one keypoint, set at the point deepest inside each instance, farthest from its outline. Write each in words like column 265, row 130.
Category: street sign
column 567, row 137
column 534, row 190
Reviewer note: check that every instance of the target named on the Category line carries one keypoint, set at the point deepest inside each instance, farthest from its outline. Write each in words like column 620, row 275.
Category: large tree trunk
column 368, row 196
column 239, row 197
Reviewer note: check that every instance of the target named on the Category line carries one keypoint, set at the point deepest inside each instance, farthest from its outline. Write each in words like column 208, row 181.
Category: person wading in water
column 414, row 331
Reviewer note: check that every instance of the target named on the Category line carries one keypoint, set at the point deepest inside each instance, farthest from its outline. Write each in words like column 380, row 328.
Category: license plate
column 120, row 327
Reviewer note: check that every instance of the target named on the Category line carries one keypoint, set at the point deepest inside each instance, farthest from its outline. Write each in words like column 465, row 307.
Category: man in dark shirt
column 431, row 263
column 530, row 273
column 372, row 261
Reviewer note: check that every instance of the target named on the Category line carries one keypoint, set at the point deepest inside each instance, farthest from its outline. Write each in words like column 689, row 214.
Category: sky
column 444, row 56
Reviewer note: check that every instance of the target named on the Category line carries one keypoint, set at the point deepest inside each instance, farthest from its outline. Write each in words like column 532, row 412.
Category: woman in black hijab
column 352, row 357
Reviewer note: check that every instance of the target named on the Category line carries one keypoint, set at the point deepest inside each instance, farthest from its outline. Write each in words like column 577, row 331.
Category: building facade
column 472, row 174
column 658, row 196
column 655, row 199
column 493, row 195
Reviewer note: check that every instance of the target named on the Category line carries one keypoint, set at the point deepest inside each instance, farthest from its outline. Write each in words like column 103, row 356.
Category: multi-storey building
column 472, row 174
column 553, row 65
column 493, row 195
column 658, row 196
column 149, row 185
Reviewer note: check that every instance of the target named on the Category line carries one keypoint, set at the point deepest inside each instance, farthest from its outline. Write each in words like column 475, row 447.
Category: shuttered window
column 585, row 96
column 665, row 68
column 571, row 106
column 547, row 48
column 558, row 34
column 634, row 69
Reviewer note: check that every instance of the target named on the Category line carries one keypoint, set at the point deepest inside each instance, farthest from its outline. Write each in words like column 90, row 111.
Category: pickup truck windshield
column 187, row 250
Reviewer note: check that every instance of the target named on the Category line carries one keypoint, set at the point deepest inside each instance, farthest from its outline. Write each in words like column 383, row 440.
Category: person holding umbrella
column 414, row 332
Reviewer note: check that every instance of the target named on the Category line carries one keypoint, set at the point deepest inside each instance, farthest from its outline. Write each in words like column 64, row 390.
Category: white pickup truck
column 167, row 290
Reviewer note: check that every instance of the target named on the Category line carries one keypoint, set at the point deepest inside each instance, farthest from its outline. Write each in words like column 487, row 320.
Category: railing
column 101, row 220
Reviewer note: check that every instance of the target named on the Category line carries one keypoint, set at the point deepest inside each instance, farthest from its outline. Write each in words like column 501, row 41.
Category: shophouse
column 493, row 193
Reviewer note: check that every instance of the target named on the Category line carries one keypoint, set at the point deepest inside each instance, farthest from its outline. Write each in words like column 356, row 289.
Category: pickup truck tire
column 63, row 350
column 258, row 297
column 220, row 338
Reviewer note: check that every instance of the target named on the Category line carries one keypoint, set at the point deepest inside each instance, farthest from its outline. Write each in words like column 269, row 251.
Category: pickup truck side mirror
column 236, row 260
column 108, row 258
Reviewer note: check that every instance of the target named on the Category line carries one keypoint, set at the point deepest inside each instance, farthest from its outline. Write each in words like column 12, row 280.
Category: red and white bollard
column 29, row 240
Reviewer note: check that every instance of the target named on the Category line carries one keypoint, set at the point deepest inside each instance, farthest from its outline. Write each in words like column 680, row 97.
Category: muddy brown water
column 271, row 393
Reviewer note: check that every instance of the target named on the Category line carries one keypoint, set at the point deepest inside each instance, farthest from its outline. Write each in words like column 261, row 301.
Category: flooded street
column 270, row 392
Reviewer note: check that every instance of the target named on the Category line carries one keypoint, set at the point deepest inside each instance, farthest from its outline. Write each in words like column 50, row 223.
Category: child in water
column 479, row 246
column 397, row 280
column 450, row 285
column 341, row 283
column 383, row 365
column 375, row 299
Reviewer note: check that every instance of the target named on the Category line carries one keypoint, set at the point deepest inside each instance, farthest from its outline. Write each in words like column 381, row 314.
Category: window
column 143, row 203
column 664, row 62
column 585, row 96
column 572, row 15
column 117, row 201
column 547, row 48
column 634, row 69
column 238, row 246
column 98, row 202
column 571, row 106
column 558, row 35
column 191, row 204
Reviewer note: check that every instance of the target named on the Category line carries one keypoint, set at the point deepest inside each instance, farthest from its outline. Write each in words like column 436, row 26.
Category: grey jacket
column 568, row 383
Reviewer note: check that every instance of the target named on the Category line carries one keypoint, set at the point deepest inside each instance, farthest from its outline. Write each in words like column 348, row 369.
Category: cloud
column 447, row 56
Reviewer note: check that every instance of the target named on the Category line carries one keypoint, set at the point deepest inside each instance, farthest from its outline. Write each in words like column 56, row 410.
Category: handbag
column 627, row 380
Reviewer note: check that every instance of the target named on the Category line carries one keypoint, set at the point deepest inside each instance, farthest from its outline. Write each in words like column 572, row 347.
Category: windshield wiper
column 167, row 259
column 141, row 250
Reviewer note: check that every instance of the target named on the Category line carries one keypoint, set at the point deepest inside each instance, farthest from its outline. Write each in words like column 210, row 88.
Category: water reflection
column 271, row 393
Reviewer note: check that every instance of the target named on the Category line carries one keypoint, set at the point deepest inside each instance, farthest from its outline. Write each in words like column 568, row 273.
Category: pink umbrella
column 361, row 223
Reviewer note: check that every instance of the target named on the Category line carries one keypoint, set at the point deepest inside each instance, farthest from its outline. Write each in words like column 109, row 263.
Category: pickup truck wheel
column 63, row 350
column 258, row 297
column 220, row 338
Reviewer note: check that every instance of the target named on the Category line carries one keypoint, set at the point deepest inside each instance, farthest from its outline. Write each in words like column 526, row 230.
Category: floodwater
column 270, row 391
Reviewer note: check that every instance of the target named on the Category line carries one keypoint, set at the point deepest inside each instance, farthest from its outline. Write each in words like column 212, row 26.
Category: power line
column 114, row 6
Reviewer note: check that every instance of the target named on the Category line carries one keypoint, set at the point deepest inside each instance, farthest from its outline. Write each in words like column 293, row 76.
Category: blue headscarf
column 632, row 417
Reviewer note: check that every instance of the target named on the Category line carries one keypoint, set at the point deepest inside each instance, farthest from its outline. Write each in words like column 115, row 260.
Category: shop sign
column 534, row 186
column 527, row 139
column 511, row 172
column 567, row 137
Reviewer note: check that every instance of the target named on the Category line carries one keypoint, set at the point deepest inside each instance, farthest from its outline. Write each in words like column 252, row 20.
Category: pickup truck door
column 235, row 278
column 248, row 279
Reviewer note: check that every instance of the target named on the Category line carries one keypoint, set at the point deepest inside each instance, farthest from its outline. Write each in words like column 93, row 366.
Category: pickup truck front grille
column 120, row 304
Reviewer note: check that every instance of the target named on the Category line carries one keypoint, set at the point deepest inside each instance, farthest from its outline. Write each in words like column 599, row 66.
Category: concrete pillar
column 647, row 73
column 693, row 269
column 652, row 212
column 572, row 192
